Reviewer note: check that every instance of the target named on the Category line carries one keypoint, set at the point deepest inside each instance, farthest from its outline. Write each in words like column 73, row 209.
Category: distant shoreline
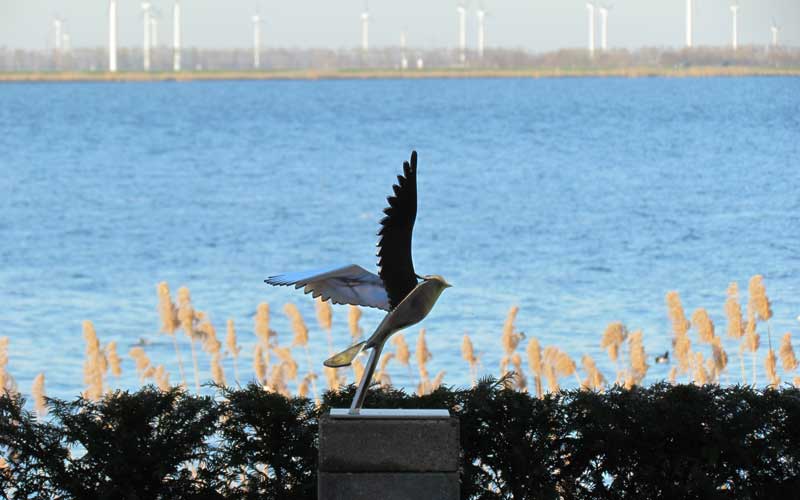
column 357, row 74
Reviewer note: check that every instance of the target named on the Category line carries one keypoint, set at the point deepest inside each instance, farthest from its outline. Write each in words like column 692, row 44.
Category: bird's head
column 437, row 279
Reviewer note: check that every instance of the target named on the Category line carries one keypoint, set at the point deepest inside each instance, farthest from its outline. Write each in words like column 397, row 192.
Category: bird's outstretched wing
column 341, row 285
column 394, row 246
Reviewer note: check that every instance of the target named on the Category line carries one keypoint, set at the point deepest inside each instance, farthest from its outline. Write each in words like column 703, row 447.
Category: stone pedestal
column 388, row 455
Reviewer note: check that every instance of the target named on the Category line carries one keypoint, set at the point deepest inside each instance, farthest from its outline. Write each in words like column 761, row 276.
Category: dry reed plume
column 114, row 363
column 358, row 370
column 187, row 317
column 95, row 365
column 704, row 325
column 437, row 381
column 556, row 364
column 233, row 348
column 302, row 387
column 382, row 375
column 758, row 296
column 733, row 311
column 423, row 355
column 613, row 338
column 37, row 391
column 161, row 377
column 299, row 327
column 262, row 330
column 333, row 378
column 217, row 373
column 510, row 339
column 700, row 373
column 353, row 317
column 213, row 346
column 144, row 367
column 534, row 351
column 259, row 365
column 301, row 333
column 565, row 366
column 170, row 321
column 211, row 343
column 167, row 310
column 759, row 308
column 720, row 357
column 594, row 379
column 402, row 353
column 287, row 362
column 786, row 352
column 638, row 360
column 277, row 380
column 7, row 384
column 324, row 312
column 680, row 328
column 680, row 325
column 401, row 349
column 520, row 379
column 770, row 365
column 468, row 353
column 751, row 340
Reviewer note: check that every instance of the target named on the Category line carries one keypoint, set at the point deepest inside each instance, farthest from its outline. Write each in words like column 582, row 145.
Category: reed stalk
column 353, row 318
column 170, row 322
column 38, row 393
column 187, row 317
column 325, row 319
column 423, row 355
column 233, row 348
column 468, row 353
column 6, row 381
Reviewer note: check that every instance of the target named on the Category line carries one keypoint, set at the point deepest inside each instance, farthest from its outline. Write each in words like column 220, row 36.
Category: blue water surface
column 582, row 201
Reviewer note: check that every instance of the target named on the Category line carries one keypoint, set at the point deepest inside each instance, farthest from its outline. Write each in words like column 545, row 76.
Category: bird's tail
column 345, row 357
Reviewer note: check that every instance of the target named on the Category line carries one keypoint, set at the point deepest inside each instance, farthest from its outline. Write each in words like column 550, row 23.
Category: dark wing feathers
column 394, row 246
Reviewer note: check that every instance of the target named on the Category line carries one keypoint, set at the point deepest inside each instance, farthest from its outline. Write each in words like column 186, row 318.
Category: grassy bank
column 357, row 74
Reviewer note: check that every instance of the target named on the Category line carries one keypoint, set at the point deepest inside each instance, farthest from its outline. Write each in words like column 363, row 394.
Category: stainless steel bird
column 395, row 289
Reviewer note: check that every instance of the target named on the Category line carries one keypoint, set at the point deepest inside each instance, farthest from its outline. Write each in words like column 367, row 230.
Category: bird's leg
column 366, row 378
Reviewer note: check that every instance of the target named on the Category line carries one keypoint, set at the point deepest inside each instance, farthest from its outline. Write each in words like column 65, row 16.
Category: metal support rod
column 366, row 378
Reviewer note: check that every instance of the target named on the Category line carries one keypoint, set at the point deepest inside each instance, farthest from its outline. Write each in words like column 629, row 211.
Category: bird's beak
column 447, row 285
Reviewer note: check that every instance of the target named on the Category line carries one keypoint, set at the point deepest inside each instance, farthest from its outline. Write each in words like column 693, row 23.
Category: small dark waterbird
column 396, row 289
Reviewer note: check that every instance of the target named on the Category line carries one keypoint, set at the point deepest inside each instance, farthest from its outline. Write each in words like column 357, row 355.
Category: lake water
column 583, row 201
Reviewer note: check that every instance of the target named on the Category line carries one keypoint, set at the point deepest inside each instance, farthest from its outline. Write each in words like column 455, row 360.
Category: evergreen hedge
column 661, row 441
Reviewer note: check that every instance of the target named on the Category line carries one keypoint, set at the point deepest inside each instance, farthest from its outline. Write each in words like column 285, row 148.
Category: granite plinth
column 389, row 454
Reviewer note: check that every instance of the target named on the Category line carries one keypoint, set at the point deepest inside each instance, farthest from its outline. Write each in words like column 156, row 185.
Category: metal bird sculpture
column 396, row 289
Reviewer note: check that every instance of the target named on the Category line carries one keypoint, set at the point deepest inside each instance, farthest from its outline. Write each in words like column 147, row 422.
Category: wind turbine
column 604, row 27
column 57, row 33
column 735, row 33
column 155, row 16
column 462, row 32
column 365, row 29
column 257, row 21
column 481, row 15
column 590, row 9
column 112, row 36
column 176, row 36
column 66, row 40
column 146, row 42
column 689, row 20
column 403, row 58
column 774, row 29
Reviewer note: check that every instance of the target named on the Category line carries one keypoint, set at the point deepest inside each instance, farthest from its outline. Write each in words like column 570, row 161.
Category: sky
column 535, row 25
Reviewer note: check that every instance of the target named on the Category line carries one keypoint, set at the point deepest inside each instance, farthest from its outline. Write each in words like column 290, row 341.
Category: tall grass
column 698, row 354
